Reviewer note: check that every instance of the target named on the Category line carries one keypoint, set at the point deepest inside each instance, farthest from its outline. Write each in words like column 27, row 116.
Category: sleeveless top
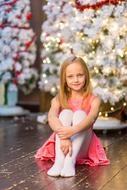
column 96, row 154
column 81, row 104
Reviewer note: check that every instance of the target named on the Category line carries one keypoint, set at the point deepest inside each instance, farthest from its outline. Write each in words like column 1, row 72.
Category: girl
column 71, row 116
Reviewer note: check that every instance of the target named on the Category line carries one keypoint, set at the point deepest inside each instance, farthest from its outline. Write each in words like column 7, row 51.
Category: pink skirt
column 96, row 154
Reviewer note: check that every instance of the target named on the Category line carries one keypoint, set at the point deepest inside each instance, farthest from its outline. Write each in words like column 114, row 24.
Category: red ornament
column 29, row 16
column 17, row 73
column 27, row 44
column 16, row 58
column 14, row 81
column 61, row 41
column 8, row 10
column 19, row 16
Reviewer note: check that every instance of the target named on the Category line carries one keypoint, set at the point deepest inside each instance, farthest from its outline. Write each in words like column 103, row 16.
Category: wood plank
column 94, row 177
column 104, row 174
column 117, row 182
column 19, row 170
column 69, row 183
column 15, row 141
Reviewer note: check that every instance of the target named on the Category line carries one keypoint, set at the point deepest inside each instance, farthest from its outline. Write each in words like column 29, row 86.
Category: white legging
column 65, row 165
column 69, row 118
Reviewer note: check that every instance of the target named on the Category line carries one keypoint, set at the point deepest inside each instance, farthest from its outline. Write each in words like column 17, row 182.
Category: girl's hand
column 66, row 146
column 65, row 132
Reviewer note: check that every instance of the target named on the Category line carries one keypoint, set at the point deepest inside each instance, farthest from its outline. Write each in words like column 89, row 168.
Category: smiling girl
column 71, row 116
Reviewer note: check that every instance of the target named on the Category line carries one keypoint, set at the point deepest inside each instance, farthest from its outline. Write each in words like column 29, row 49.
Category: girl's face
column 75, row 76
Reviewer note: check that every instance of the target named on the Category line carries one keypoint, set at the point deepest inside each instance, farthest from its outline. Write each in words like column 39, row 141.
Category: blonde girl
column 71, row 116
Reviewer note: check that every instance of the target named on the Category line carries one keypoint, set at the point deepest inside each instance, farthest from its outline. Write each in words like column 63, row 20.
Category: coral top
column 96, row 154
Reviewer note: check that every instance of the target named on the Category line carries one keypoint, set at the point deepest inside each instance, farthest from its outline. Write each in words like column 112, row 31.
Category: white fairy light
column 44, row 75
column 45, row 81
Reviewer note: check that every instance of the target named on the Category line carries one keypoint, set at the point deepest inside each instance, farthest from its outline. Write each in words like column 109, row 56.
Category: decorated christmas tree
column 96, row 30
column 17, row 46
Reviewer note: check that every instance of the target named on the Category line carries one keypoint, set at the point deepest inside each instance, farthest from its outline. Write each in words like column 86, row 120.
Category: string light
column 106, row 114
column 46, row 81
column 112, row 108
column 124, row 104
column 96, row 70
column 100, row 113
column 53, row 90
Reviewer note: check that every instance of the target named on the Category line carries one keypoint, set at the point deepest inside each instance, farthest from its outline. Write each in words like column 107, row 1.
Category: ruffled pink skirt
column 96, row 154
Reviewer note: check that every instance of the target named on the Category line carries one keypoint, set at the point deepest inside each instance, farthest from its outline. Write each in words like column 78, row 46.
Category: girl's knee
column 78, row 116
column 66, row 116
column 80, row 112
column 66, row 112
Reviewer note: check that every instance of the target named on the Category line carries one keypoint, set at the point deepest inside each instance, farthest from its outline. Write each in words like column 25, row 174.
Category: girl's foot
column 55, row 170
column 69, row 168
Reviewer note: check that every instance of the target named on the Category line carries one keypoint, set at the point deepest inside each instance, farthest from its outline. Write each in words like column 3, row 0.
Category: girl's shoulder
column 90, row 99
column 55, row 101
column 94, row 97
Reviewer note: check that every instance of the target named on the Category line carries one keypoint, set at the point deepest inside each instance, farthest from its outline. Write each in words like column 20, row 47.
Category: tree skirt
column 108, row 123
column 12, row 111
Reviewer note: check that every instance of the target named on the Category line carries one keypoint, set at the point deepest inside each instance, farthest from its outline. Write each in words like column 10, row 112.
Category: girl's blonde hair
column 64, row 91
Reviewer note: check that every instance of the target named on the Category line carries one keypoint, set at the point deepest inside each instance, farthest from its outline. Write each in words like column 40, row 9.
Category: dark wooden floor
column 21, row 137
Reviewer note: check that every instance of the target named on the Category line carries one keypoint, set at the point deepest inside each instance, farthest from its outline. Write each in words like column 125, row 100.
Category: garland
column 97, row 5
column 17, row 57
column 29, row 43
column 8, row 3
column 11, row 26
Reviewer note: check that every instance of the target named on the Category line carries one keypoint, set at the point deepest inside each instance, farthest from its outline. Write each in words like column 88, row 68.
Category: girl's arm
column 53, row 119
column 84, row 124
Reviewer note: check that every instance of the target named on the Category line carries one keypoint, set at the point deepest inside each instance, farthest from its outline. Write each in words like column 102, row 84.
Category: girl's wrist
column 57, row 128
column 75, row 130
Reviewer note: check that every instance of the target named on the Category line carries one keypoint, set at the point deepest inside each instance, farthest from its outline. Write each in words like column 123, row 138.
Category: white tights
column 65, row 165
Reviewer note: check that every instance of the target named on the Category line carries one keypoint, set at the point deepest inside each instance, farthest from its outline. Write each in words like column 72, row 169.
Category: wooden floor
column 21, row 137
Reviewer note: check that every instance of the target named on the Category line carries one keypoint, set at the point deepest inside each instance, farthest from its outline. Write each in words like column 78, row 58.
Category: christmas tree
column 96, row 30
column 17, row 45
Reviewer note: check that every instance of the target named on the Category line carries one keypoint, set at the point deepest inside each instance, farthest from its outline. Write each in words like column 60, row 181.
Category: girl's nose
column 75, row 78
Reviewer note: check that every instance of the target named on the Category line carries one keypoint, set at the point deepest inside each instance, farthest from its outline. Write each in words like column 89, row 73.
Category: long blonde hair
column 64, row 92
